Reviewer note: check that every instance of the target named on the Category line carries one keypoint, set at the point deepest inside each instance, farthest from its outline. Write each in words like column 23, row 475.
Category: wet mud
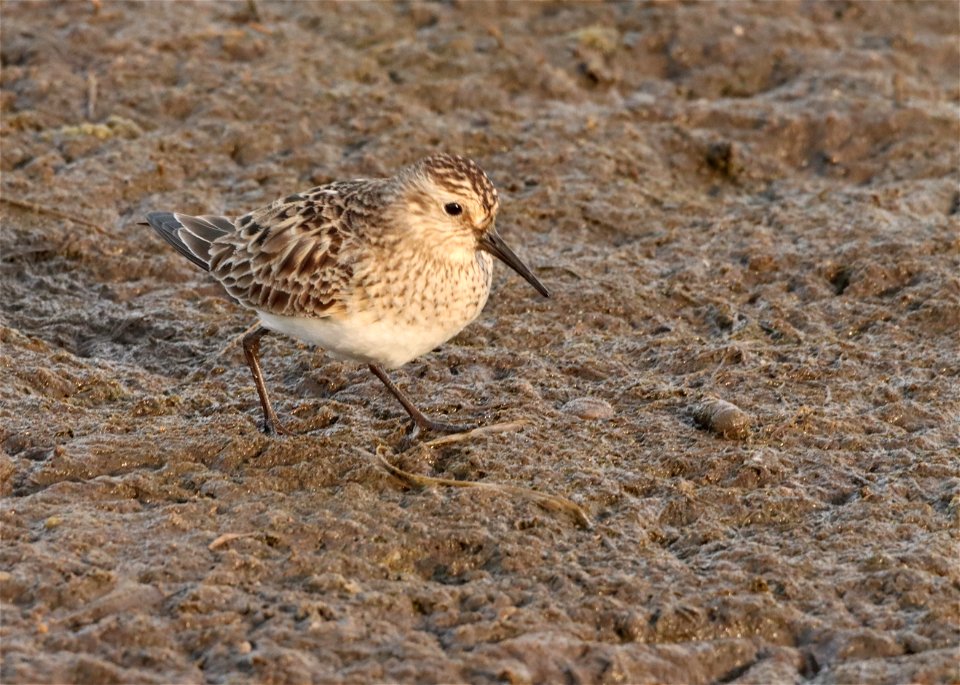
column 747, row 376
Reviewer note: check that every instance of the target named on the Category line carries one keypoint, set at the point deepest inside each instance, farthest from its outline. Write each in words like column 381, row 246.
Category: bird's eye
column 453, row 209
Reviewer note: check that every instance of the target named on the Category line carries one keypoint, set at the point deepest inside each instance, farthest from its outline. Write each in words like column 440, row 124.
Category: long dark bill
column 493, row 243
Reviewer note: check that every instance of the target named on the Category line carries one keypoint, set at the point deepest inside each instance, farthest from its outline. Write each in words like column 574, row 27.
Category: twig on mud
column 544, row 500
column 476, row 432
column 228, row 537
column 49, row 211
column 91, row 96
column 267, row 538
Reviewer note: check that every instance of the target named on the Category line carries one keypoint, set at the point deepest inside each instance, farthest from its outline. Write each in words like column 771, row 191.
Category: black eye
column 453, row 209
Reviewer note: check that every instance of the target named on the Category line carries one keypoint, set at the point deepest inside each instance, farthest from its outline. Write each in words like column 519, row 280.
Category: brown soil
column 748, row 374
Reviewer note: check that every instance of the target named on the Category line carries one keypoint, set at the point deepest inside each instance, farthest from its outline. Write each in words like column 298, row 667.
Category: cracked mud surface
column 747, row 376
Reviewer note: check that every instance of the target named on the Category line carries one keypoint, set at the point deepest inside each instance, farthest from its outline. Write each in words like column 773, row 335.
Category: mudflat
column 747, row 376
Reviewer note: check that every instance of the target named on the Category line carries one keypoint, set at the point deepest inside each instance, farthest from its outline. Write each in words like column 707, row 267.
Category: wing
column 191, row 235
column 294, row 257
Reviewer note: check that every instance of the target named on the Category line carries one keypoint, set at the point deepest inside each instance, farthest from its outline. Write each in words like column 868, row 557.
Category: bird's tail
column 191, row 235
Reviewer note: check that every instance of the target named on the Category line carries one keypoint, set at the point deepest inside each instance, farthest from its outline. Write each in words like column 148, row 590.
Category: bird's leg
column 421, row 421
column 251, row 350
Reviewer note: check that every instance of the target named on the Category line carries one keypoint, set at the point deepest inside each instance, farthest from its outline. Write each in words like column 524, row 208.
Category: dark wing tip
column 168, row 227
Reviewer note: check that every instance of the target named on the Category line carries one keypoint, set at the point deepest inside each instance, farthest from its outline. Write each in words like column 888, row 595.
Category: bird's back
column 291, row 258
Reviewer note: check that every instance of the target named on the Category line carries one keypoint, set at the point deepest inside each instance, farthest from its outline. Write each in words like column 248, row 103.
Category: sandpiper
column 377, row 271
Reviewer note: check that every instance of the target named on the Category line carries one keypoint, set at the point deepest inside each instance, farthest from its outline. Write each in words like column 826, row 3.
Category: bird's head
column 449, row 201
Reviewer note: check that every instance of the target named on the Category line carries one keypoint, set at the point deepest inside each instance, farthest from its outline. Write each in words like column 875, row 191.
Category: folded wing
column 290, row 258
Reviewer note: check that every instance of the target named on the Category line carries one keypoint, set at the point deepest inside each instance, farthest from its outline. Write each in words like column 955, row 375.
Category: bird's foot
column 273, row 427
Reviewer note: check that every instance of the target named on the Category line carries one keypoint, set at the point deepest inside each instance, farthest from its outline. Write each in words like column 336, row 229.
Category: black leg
column 421, row 421
column 251, row 350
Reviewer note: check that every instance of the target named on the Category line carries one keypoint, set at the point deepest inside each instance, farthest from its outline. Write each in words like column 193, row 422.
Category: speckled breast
column 433, row 304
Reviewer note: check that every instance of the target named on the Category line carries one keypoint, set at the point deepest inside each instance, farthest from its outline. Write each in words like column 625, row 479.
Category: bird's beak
column 492, row 242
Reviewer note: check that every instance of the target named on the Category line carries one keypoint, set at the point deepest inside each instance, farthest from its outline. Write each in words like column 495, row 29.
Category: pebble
column 723, row 418
column 588, row 408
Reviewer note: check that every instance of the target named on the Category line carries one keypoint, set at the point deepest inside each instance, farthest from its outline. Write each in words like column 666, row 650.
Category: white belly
column 366, row 340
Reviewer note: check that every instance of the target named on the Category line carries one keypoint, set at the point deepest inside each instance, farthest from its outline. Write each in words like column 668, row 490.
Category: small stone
column 588, row 408
column 723, row 418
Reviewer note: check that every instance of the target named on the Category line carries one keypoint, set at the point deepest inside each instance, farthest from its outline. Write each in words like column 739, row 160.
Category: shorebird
column 376, row 271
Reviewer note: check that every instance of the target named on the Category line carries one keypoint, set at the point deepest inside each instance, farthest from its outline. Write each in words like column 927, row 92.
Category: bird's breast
column 448, row 290
column 400, row 314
